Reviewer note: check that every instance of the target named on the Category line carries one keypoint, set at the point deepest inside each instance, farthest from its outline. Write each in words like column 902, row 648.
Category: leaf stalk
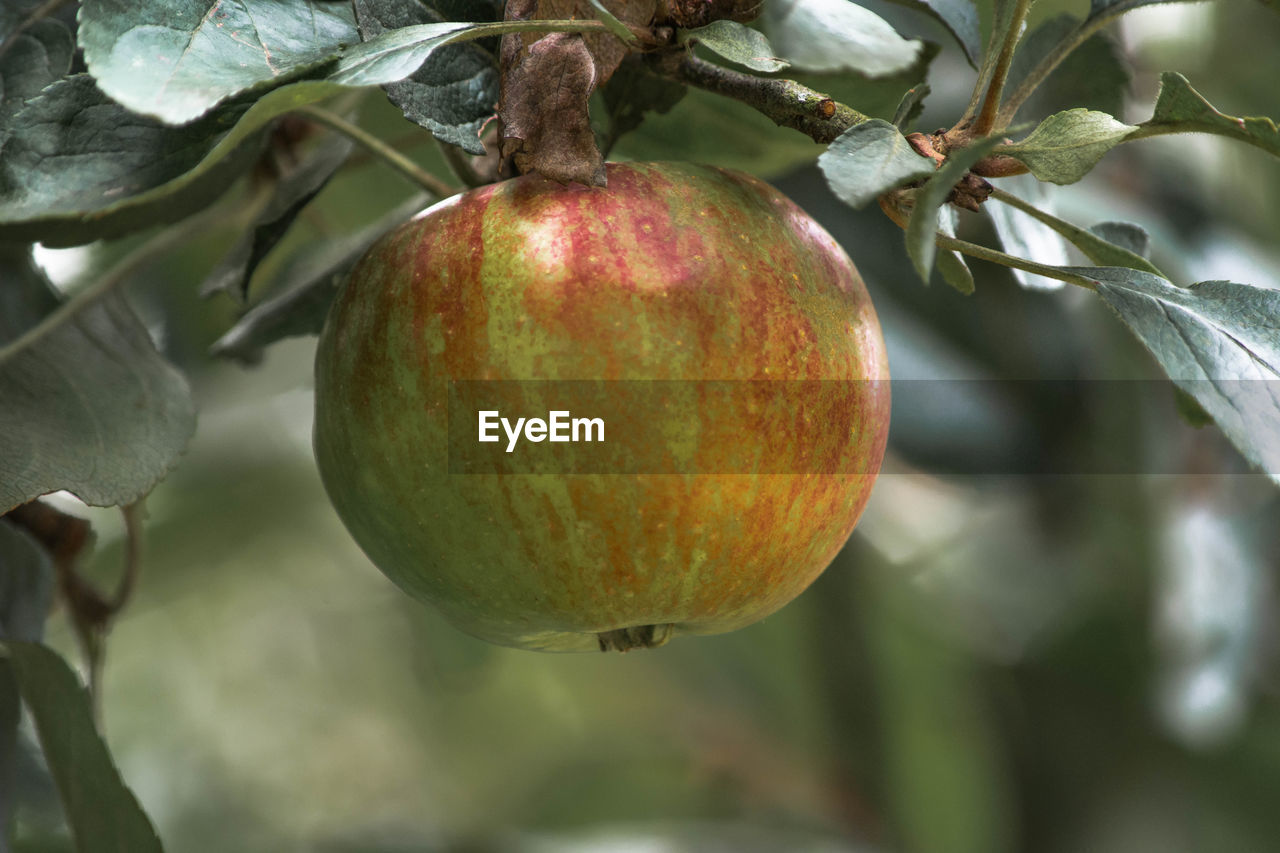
column 989, row 117
column 377, row 147
column 982, row 253
column 1074, row 234
column 1046, row 66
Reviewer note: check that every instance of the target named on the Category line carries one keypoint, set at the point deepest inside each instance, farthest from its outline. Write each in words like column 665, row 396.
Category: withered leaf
column 691, row 14
column 545, row 124
column 605, row 48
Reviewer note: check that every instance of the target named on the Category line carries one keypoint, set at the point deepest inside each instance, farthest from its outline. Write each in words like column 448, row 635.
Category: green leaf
column 301, row 299
column 63, row 187
column 1108, row 246
column 955, row 271
column 1125, row 235
column 1217, row 340
column 290, row 194
column 26, row 295
column 89, row 406
column 869, row 159
column 397, row 54
column 960, row 17
column 1066, row 145
column 736, row 43
column 1038, row 235
column 306, row 38
column 1023, row 235
column 453, row 93
column 923, row 224
column 1109, row 243
column 615, row 26
column 175, row 60
column 26, row 584
column 38, row 56
column 836, row 35
column 102, row 812
column 26, row 588
column 951, row 265
column 17, row 14
column 1095, row 75
column 910, row 107
column 1181, row 109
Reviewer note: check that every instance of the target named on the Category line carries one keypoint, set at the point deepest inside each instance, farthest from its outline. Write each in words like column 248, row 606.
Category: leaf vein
column 191, row 40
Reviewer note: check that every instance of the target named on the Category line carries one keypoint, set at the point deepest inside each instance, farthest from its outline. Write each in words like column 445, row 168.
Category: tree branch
column 785, row 102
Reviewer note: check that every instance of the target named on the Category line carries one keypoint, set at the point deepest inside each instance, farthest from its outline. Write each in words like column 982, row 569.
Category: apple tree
column 1075, row 272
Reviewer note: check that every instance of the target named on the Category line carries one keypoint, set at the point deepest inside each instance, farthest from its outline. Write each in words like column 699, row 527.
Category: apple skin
column 673, row 272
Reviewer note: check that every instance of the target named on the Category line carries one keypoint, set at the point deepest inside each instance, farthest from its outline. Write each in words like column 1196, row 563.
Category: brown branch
column 785, row 102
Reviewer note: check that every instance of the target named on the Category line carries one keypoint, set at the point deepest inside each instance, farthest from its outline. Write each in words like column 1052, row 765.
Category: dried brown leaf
column 605, row 48
column 691, row 14
column 545, row 124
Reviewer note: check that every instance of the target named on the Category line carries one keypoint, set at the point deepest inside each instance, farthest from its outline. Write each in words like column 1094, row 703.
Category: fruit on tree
column 672, row 272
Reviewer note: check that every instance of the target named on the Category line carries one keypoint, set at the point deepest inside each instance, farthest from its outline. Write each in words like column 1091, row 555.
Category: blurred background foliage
column 995, row 663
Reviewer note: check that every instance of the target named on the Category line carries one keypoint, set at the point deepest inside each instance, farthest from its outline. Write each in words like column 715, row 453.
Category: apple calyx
column 639, row 637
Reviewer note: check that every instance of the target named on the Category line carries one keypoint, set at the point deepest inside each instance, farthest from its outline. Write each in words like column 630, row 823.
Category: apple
column 674, row 276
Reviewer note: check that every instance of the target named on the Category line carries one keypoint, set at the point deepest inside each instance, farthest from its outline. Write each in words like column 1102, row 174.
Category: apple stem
column 638, row 637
